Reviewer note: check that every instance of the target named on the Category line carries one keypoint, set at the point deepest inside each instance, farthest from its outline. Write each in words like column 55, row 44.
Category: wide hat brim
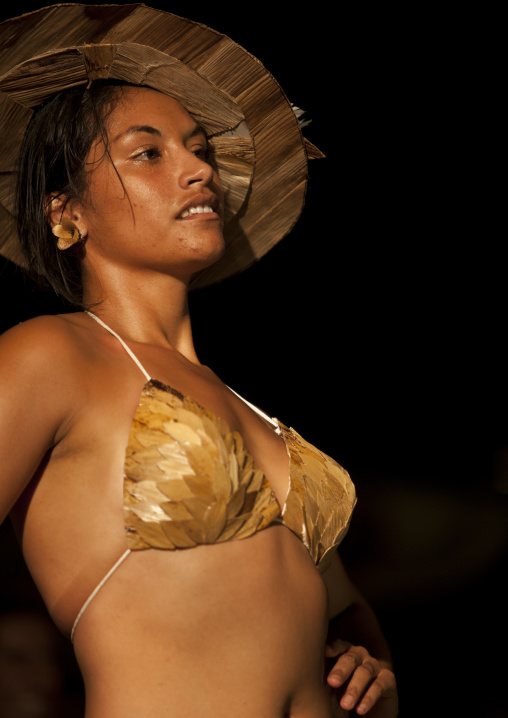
column 259, row 150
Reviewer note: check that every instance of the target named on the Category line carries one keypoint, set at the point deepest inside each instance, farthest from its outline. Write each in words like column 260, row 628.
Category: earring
column 67, row 233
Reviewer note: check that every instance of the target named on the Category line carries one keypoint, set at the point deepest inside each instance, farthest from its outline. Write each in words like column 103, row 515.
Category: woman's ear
column 55, row 207
column 65, row 219
column 59, row 206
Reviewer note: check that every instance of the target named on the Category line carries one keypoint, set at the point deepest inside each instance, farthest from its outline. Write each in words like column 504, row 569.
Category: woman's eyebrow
column 138, row 128
column 148, row 129
column 197, row 130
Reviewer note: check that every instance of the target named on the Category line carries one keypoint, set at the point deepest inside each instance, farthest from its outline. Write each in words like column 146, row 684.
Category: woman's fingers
column 365, row 683
column 363, row 693
column 351, row 657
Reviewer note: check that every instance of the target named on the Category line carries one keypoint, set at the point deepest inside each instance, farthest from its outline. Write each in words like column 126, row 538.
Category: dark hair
column 52, row 160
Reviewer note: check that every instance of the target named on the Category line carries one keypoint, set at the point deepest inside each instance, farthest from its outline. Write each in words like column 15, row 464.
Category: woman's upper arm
column 32, row 409
column 342, row 593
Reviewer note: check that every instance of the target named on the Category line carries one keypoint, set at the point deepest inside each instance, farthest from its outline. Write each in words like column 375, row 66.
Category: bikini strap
column 261, row 413
column 129, row 351
column 134, row 358
column 96, row 590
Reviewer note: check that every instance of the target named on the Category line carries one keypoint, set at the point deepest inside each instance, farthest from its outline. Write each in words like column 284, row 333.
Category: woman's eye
column 151, row 153
column 203, row 153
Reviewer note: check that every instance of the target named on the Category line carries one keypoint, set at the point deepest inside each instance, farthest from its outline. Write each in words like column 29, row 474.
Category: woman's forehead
column 139, row 106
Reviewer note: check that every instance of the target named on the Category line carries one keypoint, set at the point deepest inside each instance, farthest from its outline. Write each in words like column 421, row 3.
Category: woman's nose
column 195, row 170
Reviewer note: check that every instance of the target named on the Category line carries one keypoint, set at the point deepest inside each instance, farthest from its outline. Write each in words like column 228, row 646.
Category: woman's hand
column 365, row 684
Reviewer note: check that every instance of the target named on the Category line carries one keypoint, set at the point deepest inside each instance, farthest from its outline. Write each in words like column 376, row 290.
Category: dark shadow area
column 39, row 676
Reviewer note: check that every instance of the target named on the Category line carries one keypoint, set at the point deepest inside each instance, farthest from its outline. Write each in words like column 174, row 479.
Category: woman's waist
column 210, row 693
column 225, row 670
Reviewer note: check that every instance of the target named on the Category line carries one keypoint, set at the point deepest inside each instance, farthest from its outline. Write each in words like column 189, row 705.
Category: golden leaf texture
column 320, row 500
column 188, row 478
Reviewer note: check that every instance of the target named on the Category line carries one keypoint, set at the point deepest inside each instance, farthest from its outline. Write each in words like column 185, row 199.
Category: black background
column 377, row 327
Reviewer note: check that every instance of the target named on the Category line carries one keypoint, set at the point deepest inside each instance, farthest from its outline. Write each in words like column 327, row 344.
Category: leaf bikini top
column 189, row 480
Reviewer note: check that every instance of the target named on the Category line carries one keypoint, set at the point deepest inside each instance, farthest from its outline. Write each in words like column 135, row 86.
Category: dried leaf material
column 14, row 118
column 313, row 153
column 320, row 500
column 98, row 60
column 188, row 478
column 234, row 157
column 35, row 81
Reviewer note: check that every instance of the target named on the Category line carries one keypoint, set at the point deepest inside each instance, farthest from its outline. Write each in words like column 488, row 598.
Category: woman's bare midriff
column 166, row 638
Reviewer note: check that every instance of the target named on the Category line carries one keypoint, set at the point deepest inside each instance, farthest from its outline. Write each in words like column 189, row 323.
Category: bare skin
column 234, row 629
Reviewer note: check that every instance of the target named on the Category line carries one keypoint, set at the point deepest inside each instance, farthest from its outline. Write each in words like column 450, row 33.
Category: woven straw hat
column 259, row 149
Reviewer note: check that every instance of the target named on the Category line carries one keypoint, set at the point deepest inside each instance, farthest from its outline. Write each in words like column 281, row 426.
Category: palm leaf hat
column 260, row 153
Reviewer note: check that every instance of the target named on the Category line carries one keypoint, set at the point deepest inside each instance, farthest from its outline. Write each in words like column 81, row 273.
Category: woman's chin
column 207, row 254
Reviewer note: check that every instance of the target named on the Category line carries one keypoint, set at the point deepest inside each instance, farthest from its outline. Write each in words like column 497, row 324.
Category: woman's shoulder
column 40, row 391
column 42, row 330
column 41, row 344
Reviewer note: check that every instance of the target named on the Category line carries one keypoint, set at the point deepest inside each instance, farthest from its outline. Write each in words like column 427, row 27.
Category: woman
column 196, row 592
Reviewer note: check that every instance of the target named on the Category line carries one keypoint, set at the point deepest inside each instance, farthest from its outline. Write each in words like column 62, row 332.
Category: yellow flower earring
column 67, row 233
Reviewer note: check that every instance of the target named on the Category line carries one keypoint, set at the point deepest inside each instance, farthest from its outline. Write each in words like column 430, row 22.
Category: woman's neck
column 150, row 311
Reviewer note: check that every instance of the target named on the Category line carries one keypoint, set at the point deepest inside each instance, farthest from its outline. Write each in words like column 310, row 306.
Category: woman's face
column 166, row 212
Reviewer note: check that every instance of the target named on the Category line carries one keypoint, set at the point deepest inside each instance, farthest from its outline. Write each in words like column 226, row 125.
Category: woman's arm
column 361, row 666
column 33, row 402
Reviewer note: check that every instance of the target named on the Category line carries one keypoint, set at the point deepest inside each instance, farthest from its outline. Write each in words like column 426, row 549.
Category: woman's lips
column 204, row 205
column 200, row 209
